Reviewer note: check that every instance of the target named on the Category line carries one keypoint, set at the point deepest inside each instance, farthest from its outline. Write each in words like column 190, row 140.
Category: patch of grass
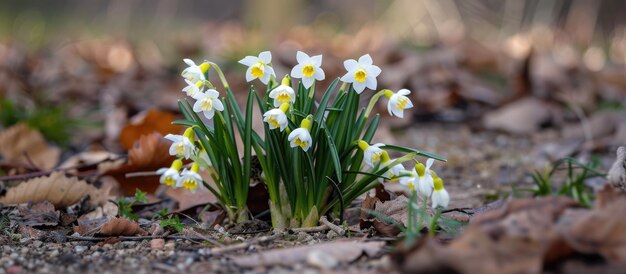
column 574, row 183
column 125, row 205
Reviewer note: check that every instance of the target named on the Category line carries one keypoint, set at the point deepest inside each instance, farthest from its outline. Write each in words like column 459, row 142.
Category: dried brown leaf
column 121, row 227
column 38, row 214
column 56, row 188
column 523, row 116
column 146, row 123
column 24, row 145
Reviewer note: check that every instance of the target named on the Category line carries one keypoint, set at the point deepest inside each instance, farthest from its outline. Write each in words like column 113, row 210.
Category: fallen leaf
column 384, row 216
column 149, row 153
column 38, row 214
column 523, row 116
column 121, row 227
column 343, row 251
column 617, row 173
column 24, row 145
column 56, row 188
column 31, row 232
column 146, row 123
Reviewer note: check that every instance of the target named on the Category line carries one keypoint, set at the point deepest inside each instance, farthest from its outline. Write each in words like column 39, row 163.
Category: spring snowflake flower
column 440, row 197
column 308, row 69
column 169, row 176
column 207, row 102
column 190, row 179
column 258, row 67
column 361, row 74
column 371, row 153
column 276, row 118
column 301, row 136
column 425, row 178
column 182, row 145
column 398, row 102
column 411, row 180
column 283, row 93
column 193, row 89
column 195, row 73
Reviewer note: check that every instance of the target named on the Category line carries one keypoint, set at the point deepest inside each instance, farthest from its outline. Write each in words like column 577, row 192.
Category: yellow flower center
column 411, row 186
column 283, row 97
column 401, row 104
column 360, row 75
column 308, row 70
column 190, row 184
column 169, row 181
column 180, row 148
column 376, row 156
column 206, row 104
column 257, row 70
column 300, row 143
column 272, row 121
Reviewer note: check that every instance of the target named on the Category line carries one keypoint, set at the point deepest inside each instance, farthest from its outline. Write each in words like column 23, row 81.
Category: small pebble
column 157, row 244
column 80, row 248
column 321, row 260
column 37, row 243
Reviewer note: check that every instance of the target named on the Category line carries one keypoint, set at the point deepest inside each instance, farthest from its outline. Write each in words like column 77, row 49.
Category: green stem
column 433, row 223
column 372, row 103
column 220, row 74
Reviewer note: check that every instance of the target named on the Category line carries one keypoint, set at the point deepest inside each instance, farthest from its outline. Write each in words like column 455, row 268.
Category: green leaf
column 418, row 152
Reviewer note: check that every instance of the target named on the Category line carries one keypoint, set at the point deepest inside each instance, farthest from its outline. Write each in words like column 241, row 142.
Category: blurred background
column 500, row 84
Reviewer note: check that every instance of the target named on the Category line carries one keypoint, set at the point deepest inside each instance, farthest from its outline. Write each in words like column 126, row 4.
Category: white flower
column 394, row 171
column 283, row 94
column 410, row 180
column 372, row 154
column 308, row 69
column 258, row 67
column 300, row 138
column 193, row 89
column 208, row 102
column 276, row 118
column 425, row 183
column 181, row 146
column 398, row 102
column 440, row 197
column 194, row 73
column 190, row 179
column 361, row 74
column 169, row 176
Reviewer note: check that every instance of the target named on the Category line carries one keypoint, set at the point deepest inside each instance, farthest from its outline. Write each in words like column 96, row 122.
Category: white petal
column 350, row 65
column 317, row 60
column 429, row 162
column 307, row 82
column 358, row 87
column 373, row 71
column 161, row 170
column 348, row 77
column 365, row 60
column 265, row 78
column 398, row 112
column 217, row 104
column 197, row 106
column 249, row 76
column 209, row 114
column 266, row 57
column 212, row 93
column 371, row 82
column 403, row 92
column 296, row 72
column 270, row 71
column 319, row 74
column 302, row 57
column 249, row 61
column 189, row 62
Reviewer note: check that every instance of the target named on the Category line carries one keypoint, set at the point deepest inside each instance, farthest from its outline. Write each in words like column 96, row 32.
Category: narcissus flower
column 371, row 153
column 195, row 73
column 308, row 69
column 361, row 74
column 283, row 93
column 169, row 176
column 398, row 102
column 276, row 118
column 425, row 183
column 207, row 102
column 440, row 197
column 193, row 89
column 190, row 179
column 258, row 67
column 301, row 136
column 182, row 145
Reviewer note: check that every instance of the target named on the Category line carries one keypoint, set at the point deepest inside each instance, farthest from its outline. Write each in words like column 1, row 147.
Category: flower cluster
column 312, row 153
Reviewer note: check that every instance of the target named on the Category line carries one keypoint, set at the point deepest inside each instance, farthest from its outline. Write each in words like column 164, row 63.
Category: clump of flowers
column 316, row 155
